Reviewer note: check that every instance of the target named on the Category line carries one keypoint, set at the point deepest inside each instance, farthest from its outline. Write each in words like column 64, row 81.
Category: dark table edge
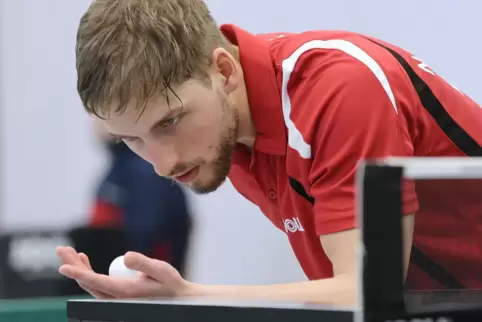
column 148, row 312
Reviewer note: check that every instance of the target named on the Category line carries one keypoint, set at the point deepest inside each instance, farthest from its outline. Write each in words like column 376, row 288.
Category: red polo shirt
column 321, row 101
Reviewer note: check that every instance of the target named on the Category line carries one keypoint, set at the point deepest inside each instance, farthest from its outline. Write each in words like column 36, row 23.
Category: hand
column 155, row 278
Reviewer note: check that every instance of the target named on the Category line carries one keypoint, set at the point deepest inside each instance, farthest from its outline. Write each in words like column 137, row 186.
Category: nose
column 163, row 158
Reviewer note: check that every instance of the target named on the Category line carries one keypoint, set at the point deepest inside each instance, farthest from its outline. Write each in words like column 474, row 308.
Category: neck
column 246, row 130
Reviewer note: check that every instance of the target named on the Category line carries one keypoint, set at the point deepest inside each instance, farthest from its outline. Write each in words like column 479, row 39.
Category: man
column 287, row 116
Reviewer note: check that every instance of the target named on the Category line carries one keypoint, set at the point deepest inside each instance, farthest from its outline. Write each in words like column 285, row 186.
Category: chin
column 205, row 187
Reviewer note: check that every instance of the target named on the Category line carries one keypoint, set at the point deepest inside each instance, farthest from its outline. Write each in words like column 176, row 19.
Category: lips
column 188, row 176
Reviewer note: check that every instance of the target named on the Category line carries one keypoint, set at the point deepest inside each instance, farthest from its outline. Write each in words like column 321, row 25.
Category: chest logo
column 293, row 225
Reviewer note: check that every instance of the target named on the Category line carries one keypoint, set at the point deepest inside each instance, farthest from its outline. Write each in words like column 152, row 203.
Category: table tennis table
column 201, row 309
column 222, row 310
column 382, row 294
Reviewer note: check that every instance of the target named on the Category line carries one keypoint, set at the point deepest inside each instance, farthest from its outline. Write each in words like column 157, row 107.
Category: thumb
column 155, row 269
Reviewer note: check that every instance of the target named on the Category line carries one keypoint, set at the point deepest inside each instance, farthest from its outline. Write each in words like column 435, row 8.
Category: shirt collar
column 263, row 91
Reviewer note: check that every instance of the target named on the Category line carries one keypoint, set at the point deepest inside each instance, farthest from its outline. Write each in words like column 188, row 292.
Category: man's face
column 190, row 138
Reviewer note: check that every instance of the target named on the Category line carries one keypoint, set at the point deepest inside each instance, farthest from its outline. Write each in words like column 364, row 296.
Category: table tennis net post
column 380, row 257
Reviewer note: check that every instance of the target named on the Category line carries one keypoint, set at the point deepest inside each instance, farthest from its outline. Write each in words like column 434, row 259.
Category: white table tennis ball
column 118, row 268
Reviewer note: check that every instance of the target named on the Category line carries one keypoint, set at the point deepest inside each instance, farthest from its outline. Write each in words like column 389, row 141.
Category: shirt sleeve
column 355, row 120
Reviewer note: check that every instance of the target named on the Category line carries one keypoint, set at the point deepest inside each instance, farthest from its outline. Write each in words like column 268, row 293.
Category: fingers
column 141, row 263
column 136, row 261
column 68, row 256
column 155, row 269
column 85, row 260
column 94, row 293
column 93, row 281
column 117, row 287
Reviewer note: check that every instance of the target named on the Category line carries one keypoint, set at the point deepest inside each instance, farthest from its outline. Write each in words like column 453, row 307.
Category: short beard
column 222, row 164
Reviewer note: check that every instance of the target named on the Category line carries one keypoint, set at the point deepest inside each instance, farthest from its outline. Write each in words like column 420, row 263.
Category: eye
column 170, row 122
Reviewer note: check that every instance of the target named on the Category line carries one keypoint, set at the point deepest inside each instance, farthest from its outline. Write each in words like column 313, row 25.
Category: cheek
column 201, row 137
column 199, row 143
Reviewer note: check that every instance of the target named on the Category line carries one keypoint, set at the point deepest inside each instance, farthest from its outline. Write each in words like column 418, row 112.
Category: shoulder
column 339, row 83
column 317, row 73
column 328, row 59
column 312, row 48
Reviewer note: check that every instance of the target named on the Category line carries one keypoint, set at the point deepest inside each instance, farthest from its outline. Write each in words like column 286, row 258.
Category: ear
column 226, row 67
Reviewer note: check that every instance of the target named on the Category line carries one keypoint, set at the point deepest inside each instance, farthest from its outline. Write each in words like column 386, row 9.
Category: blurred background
column 62, row 182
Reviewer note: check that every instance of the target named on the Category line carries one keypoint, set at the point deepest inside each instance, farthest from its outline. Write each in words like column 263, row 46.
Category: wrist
column 193, row 290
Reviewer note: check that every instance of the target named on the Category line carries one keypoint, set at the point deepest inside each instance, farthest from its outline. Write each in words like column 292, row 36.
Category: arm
column 341, row 289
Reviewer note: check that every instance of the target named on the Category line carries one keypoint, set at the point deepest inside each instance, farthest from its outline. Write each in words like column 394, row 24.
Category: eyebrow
column 156, row 124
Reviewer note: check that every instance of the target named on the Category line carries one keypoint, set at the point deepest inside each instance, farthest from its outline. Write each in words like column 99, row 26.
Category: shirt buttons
column 272, row 194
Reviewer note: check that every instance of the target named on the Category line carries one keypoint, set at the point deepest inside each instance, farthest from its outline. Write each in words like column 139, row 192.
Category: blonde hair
column 136, row 49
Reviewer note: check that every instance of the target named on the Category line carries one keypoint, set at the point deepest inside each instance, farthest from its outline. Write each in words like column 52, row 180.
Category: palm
column 154, row 279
